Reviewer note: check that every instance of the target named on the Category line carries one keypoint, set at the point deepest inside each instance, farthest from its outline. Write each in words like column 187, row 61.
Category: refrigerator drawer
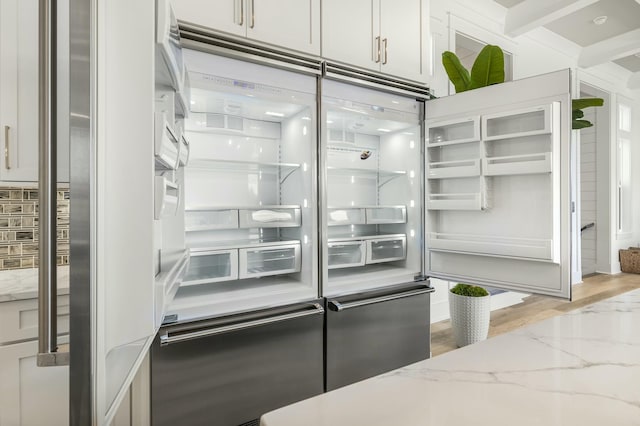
column 270, row 218
column 273, row 260
column 231, row 370
column 206, row 220
column 371, row 333
column 212, row 266
column 386, row 249
column 380, row 215
column 337, row 216
column 346, row 254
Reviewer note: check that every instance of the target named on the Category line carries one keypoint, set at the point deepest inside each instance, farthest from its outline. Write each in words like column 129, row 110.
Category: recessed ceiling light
column 599, row 20
column 384, row 130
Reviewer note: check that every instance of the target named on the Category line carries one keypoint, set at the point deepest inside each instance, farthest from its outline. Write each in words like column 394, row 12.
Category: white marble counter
column 18, row 284
column 581, row 368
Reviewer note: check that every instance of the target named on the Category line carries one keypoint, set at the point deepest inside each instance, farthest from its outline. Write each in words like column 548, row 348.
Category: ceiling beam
column 610, row 49
column 634, row 81
column 531, row 14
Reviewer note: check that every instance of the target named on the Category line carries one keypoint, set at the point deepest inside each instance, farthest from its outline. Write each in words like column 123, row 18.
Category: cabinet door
column 294, row 24
column 349, row 32
column 31, row 395
column 404, row 39
column 508, row 226
column 19, row 90
column 222, row 15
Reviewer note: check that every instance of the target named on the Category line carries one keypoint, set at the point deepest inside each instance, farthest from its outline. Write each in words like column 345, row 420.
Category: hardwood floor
column 538, row 308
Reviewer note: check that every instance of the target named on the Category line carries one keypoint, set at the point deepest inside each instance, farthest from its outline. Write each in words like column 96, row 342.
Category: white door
column 294, row 24
column 404, row 39
column 350, row 32
column 498, row 186
column 222, row 15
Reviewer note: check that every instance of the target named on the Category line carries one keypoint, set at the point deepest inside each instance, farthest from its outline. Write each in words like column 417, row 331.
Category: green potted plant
column 470, row 309
column 488, row 69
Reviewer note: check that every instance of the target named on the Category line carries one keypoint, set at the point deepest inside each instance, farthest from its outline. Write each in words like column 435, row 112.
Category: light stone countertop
column 18, row 284
column 581, row 368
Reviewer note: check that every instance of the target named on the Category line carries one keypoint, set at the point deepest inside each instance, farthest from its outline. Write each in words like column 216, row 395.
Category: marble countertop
column 18, row 284
column 581, row 368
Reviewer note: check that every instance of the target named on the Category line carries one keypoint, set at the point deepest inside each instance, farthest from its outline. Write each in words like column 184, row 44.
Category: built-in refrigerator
column 482, row 196
column 244, row 333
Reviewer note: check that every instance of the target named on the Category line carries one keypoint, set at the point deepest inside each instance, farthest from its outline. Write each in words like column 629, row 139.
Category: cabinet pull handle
column 384, row 41
column 253, row 13
column 241, row 13
column 7, row 159
column 378, row 49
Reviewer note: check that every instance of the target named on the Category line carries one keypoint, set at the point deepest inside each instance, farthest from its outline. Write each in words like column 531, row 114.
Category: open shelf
column 451, row 132
column 518, row 123
column 492, row 245
column 517, row 164
column 454, row 169
column 210, row 219
column 460, row 201
column 285, row 169
column 384, row 176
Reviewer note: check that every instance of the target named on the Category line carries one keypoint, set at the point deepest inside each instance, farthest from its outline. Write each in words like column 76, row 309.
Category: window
column 624, row 195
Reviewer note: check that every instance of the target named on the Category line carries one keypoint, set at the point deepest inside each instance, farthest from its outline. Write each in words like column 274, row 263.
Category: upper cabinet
column 378, row 35
column 19, row 94
column 293, row 24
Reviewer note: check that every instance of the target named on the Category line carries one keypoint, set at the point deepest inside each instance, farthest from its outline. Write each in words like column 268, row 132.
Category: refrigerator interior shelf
column 166, row 197
column 451, row 132
column 247, row 243
column 361, row 215
column 284, row 169
column 517, row 164
column 518, row 123
column 492, row 245
column 365, row 237
column 469, row 201
column 454, row 169
column 384, row 176
column 167, row 144
column 210, row 219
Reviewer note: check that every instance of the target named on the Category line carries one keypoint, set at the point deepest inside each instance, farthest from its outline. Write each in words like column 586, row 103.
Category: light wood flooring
column 538, row 308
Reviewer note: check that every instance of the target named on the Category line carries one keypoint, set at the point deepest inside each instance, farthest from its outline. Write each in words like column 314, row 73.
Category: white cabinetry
column 19, row 93
column 378, row 35
column 293, row 24
column 30, row 395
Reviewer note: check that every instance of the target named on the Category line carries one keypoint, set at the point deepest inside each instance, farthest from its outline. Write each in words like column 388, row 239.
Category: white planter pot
column 469, row 318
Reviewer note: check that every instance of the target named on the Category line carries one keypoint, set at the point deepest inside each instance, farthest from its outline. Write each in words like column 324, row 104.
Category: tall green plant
column 487, row 69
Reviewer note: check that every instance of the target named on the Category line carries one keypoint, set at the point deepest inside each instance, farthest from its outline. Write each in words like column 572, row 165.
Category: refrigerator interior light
column 383, row 130
column 274, row 114
column 412, row 144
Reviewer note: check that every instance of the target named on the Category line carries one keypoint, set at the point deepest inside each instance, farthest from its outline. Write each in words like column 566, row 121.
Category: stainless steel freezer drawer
column 371, row 333
column 231, row 370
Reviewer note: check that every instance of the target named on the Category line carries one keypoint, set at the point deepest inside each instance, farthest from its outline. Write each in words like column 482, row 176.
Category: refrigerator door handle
column 184, row 334
column 48, row 351
column 337, row 306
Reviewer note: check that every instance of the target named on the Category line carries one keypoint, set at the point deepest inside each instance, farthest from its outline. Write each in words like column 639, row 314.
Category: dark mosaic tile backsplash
column 19, row 228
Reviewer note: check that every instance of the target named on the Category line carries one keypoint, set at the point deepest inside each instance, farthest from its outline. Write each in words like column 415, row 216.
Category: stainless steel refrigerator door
column 371, row 333
column 231, row 370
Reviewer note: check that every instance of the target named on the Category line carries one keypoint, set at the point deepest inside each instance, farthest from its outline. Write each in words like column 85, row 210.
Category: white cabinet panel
column 403, row 41
column 31, row 395
column 378, row 35
column 349, row 32
column 19, row 92
column 223, row 15
column 293, row 24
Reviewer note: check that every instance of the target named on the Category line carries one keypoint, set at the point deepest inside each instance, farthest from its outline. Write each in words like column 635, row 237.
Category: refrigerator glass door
column 498, row 186
column 249, row 187
column 372, row 215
